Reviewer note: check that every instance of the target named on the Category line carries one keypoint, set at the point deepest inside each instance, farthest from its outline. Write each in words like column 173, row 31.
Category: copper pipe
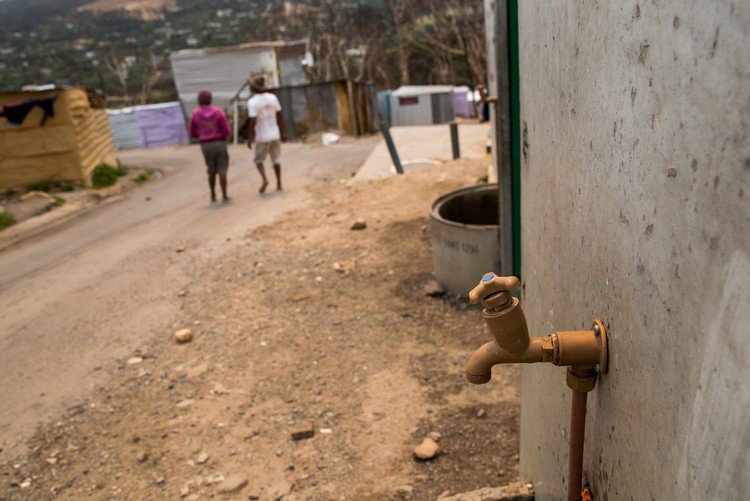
column 584, row 352
column 575, row 452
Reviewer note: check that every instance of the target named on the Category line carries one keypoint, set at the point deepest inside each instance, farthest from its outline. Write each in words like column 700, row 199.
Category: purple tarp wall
column 161, row 124
column 461, row 104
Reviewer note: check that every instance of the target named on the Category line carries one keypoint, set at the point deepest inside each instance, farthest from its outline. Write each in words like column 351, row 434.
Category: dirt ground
column 81, row 294
column 304, row 323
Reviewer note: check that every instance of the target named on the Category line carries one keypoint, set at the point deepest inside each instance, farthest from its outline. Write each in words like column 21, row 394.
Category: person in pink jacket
column 209, row 125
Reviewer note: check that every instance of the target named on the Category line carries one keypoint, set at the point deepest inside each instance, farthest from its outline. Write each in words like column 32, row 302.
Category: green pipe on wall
column 515, row 132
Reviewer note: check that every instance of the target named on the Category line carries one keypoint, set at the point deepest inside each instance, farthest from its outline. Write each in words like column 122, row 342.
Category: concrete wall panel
column 635, row 173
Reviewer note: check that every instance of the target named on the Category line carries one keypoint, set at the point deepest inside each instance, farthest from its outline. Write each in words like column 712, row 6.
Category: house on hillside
column 225, row 70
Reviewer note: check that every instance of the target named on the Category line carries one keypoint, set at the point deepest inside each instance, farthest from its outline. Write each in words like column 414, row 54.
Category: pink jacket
column 208, row 123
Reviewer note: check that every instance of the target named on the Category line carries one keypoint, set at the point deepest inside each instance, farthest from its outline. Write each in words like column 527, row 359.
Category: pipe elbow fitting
column 479, row 367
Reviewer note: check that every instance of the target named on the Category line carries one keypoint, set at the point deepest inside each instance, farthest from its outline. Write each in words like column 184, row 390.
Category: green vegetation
column 482, row 179
column 127, row 56
column 106, row 175
column 40, row 186
column 143, row 176
column 59, row 201
column 6, row 219
column 9, row 192
column 67, row 187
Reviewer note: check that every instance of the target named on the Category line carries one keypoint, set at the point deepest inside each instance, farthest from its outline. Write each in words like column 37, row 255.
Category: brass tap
column 585, row 352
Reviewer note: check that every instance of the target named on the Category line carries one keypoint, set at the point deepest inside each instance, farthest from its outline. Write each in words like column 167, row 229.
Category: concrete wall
column 636, row 179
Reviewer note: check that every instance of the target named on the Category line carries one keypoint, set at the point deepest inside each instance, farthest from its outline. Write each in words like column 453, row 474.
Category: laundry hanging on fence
column 16, row 113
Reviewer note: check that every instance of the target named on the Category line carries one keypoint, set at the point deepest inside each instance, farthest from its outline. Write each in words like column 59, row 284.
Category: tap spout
column 479, row 368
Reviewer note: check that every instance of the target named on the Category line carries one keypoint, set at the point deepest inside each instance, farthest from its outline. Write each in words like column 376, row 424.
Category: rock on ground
column 428, row 449
column 231, row 484
column 359, row 224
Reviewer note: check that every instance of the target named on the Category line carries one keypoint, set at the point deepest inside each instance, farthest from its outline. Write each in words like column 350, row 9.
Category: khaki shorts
column 264, row 149
column 216, row 156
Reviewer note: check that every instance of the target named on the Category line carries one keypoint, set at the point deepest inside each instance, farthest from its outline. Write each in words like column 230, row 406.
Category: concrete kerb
column 420, row 146
column 517, row 491
column 58, row 217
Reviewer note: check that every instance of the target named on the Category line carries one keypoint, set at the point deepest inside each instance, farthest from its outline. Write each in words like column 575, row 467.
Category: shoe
column 263, row 187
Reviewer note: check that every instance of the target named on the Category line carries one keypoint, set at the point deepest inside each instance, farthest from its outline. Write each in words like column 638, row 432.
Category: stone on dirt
column 231, row 484
column 434, row 435
column 343, row 266
column 405, row 490
column 185, row 403
column 202, row 458
column 297, row 297
column 219, row 389
column 197, row 371
column 183, row 335
column 433, row 289
column 428, row 449
column 303, row 432
column 359, row 224
column 135, row 360
column 141, row 456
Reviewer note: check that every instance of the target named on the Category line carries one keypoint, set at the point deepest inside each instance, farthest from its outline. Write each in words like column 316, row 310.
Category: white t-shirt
column 263, row 108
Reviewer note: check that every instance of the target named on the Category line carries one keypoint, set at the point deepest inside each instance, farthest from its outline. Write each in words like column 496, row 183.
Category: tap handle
column 492, row 284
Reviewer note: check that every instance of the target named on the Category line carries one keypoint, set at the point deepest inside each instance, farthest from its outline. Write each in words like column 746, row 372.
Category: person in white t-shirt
column 266, row 129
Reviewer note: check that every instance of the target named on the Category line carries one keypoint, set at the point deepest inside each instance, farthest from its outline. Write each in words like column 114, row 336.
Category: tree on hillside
column 390, row 42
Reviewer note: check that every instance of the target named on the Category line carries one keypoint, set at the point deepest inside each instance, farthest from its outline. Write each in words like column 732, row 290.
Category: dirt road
column 318, row 362
column 76, row 299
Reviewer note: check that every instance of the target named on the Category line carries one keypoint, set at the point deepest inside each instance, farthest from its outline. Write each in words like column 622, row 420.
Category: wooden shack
column 63, row 147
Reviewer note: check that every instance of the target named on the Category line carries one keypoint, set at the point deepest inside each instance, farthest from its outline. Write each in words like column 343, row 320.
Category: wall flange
column 601, row 333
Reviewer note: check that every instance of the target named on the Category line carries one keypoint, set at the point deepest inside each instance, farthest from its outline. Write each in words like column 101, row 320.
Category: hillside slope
column 144, row 9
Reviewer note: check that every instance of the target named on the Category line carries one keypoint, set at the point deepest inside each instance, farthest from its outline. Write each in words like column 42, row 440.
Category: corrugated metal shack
column 65, row 146
column 422, row 105
column 342, row 105
column 223, row 70
column 124, row 128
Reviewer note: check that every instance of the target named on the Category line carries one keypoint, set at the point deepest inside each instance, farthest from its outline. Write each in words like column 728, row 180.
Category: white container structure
column 422, row 105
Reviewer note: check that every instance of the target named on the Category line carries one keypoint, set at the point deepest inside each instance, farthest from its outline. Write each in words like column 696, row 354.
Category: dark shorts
column 216, row 156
